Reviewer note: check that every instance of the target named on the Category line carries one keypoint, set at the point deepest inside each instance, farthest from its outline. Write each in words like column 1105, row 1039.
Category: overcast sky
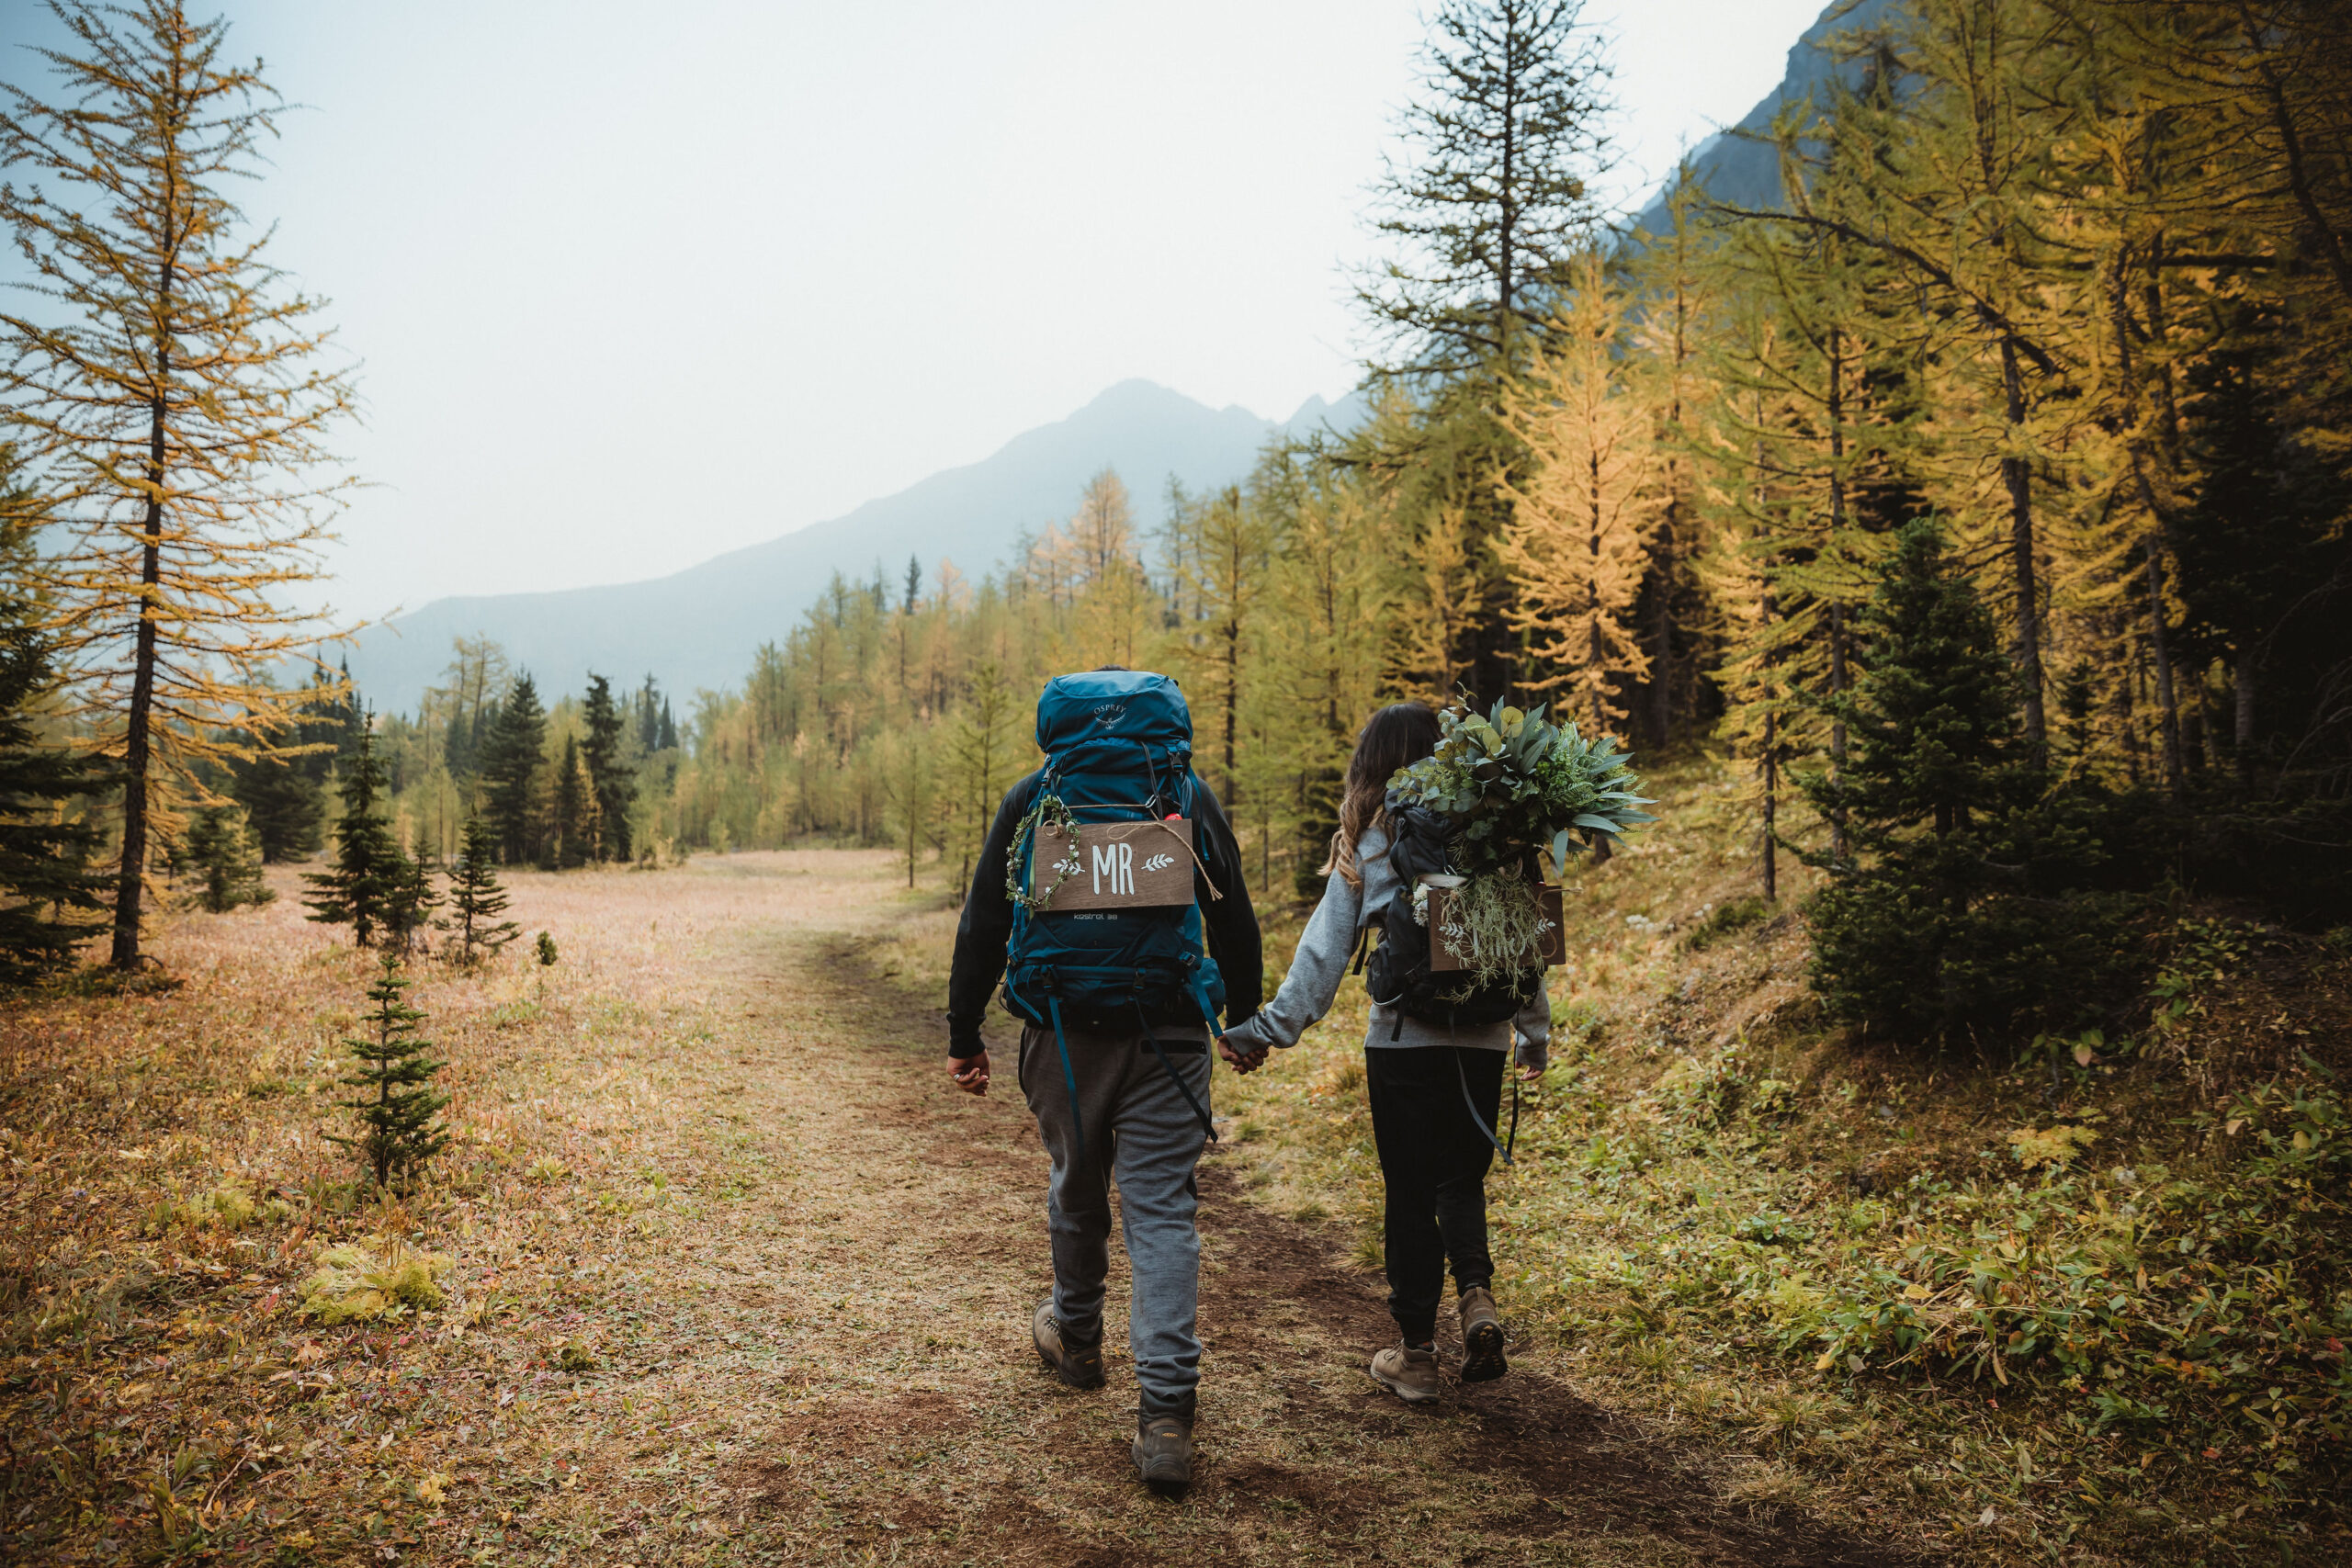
column 633, row 285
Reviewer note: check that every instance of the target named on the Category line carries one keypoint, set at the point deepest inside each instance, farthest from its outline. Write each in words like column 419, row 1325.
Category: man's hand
column 970, row 1072
column 1530, row 1075
column 1239, row 1063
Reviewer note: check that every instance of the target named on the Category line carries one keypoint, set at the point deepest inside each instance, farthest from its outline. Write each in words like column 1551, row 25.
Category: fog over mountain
column 698, row 627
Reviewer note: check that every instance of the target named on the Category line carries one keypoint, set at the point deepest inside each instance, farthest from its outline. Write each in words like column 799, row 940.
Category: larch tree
column 1484, row 211
column 1220, row 558
column 171, row 394
column 1952, row 173
column 1578, row 540
column 1673, row 279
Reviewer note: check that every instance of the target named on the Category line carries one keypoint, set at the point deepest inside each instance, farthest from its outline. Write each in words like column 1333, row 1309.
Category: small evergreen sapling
column 476, row 901
column 359, row 888
column 396, row 1104
column 222, row 852
column 410, row 906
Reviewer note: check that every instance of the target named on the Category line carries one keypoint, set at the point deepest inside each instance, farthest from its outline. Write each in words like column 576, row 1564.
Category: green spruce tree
column 358, row 888
column 476, row 900
column 396, row 1104
column 283, row 803
column 48, row 896
column 612, row 780
column 222, row 852
column 1967, row 897
column 511, row 762
column 573, row 842
column 409, row 909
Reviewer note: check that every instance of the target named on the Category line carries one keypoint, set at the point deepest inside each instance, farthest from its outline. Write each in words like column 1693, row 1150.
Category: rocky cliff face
column 1734, row 168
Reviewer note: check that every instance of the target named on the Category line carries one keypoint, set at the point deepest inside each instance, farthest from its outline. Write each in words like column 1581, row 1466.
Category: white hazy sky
column 633, row 285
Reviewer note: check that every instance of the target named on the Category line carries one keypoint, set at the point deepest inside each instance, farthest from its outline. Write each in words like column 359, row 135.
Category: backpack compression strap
column 1480, row 1122
column 1069, row 1078
column 1170, row 1067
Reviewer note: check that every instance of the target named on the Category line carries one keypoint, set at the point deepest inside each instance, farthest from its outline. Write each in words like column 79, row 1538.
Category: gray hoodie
column 1322, row 959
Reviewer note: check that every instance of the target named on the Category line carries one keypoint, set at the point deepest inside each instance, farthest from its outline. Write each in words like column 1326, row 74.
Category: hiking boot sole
column 1482, row 1358
column 1409, row 1394
column 1163, row 1484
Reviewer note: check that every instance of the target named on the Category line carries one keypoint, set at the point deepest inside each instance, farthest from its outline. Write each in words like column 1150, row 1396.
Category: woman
column 1433, row 1157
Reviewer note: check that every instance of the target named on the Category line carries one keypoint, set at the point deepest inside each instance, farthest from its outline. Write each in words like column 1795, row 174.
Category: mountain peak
column 698, row 628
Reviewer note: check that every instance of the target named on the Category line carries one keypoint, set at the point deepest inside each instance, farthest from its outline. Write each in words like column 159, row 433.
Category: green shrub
column 355, row 1284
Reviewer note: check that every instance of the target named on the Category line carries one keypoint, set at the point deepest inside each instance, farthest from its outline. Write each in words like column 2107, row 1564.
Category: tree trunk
column 1769, row 766
column 131, row 884
column 1837, row 398
column 2018, row 477
column 1232, row 699
column 2167, row 710
column 1662, row 635
column 1770, row 769
column 2241, row 734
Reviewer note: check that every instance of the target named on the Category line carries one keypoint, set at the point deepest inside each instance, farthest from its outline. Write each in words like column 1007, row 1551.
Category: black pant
column 1433, row 1160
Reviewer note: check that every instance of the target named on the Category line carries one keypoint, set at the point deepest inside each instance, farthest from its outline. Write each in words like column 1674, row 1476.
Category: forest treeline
column 2071, row 278
column 2067, row 283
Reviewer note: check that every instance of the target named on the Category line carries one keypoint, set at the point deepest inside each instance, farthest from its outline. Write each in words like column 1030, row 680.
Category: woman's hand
column 1237, row 1060
column 1529, row 1075
column 970, row 1072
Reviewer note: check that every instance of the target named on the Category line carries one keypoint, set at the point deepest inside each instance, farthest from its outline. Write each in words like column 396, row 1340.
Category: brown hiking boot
column 1408, row 1373
column 1079, row 1366
column 1163, row 1454
column 1482, row 1336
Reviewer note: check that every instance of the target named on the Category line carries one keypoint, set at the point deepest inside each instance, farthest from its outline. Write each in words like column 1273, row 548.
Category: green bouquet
column 1512, row 785
column 1505, row 787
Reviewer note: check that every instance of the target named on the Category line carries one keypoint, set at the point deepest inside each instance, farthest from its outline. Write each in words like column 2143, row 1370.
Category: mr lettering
column 1113, row 865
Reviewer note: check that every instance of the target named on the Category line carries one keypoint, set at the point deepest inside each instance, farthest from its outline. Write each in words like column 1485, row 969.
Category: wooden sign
column 1555, row 943
column 1113, row 865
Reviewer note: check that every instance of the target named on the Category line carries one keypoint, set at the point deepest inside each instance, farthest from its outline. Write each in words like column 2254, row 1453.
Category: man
column 1114, row 1106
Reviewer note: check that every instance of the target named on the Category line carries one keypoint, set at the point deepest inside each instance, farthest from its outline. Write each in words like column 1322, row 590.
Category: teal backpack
column 1118, row 747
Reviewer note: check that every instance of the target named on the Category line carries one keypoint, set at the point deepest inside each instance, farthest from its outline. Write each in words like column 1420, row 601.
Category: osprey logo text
column 1109, row 714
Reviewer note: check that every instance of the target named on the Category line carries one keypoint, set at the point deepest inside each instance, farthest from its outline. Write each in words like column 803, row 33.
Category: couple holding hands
column 1119, row 1004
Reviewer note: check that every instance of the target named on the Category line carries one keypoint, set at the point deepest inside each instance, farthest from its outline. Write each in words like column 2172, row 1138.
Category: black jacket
column 987, row 927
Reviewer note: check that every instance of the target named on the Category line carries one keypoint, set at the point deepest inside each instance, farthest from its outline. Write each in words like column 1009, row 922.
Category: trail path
column 848, row 1377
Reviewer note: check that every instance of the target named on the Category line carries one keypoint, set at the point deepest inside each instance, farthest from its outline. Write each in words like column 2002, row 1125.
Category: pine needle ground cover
column 2088, row 1306
column 717, row 1270
column 218, row 1343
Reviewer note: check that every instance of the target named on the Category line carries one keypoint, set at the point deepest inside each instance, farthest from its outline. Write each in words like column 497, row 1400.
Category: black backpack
column 1398, row 975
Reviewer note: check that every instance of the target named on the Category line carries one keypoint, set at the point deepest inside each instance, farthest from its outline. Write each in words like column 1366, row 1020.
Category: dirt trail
column 851, row 1361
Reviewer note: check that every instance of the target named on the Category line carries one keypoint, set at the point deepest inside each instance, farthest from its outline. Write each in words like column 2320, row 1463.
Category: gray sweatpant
column 1139, row 1130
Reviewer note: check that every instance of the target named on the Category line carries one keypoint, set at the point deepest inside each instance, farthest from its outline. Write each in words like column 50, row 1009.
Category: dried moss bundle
column 1491, row 924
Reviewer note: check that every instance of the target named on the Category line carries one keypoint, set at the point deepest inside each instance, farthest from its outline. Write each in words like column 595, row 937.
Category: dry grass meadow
column 731, row 1278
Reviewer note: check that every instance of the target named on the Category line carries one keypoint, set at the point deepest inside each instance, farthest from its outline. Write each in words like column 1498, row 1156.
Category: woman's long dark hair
column 1397, row 735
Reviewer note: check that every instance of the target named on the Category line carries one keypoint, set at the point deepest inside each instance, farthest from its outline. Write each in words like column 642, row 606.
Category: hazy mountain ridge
column 697, row 627
column 1733, row 165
